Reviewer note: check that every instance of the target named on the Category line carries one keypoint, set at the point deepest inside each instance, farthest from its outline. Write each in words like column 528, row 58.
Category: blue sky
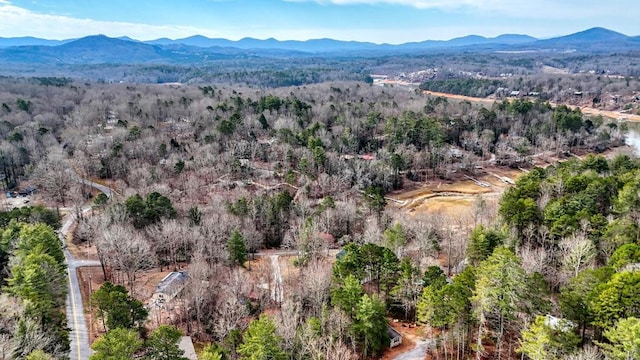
column 379, row 21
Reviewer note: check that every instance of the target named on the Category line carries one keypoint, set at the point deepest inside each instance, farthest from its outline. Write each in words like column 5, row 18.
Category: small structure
column 170, row 286
column 558, row 323
column 29, row 190
column 186, row 345
column 395, row 338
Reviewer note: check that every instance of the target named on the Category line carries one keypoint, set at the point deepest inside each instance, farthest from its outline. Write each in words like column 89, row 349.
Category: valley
column 472, row 198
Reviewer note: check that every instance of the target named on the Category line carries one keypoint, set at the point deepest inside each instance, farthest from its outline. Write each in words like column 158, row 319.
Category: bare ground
column 454, row 197
column 410, row 335
column 585, row 109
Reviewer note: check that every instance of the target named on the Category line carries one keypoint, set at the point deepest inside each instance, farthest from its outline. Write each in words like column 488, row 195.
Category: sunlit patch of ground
column 453, row 205
column 463, row 186
column 455, row 198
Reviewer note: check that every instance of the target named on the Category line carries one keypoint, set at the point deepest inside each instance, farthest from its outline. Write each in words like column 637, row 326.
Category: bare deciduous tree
column 126, row 250
column 53, row 178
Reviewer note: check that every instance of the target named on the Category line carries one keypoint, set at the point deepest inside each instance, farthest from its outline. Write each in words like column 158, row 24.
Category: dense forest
column 213, row 178
column 278, row 71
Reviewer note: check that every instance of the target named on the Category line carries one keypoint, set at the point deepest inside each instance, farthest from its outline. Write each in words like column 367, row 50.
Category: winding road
column 76, row 321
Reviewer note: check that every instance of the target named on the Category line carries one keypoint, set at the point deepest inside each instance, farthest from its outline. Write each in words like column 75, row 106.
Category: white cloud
column 554, row 9
column 565, row 17
column 420, row 4
column 17, row 21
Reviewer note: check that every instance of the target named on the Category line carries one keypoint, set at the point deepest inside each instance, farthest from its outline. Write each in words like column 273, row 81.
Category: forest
column 280, row 71
column 281, row 204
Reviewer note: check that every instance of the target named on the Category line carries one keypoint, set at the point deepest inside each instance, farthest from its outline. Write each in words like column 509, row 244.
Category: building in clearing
column 170, row 286
column 395, row 338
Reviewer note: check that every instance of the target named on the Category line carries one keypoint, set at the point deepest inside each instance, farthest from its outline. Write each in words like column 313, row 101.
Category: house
column 395, row 338
column 186, row 345
column 29, row 190
column 170, row 286
column 112, row 118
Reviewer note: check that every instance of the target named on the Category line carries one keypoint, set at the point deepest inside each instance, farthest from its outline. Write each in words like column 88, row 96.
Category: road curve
column 76, row 321
column 103, row 189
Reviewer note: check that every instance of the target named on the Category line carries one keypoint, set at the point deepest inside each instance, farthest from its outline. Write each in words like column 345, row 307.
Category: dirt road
column 585, row 109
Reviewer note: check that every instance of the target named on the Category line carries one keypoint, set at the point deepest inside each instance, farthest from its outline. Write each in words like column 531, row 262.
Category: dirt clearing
column 455, row 198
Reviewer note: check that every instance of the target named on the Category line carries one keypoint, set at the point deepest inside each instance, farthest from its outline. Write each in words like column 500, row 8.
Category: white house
column 170, row 286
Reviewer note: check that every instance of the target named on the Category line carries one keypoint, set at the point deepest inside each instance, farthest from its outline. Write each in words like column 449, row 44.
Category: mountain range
column 102, row 49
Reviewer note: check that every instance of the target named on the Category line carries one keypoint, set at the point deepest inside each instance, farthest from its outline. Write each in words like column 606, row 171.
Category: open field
column 455, row 197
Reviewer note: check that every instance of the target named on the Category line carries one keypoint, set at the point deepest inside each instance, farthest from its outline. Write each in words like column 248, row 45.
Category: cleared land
column 454, row 197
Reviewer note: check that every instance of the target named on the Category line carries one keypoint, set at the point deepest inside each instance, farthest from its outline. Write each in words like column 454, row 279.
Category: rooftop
column 171, row 280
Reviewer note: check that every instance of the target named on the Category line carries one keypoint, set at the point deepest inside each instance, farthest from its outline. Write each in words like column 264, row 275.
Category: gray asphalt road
column 79, row 336
column 104, row 189
column 419, row 352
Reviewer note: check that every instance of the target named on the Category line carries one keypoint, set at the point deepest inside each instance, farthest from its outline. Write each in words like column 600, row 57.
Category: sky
column 378, row 21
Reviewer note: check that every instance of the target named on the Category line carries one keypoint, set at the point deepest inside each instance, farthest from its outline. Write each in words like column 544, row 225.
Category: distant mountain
column 314, row 45
column 509, row 39
column 594, row 39
column 331, row 45
column 124, row 50
column 109, row 50
column 127, row 38
column 593, row 34
column 29, row 41
column 100, row 49
column 88, row 50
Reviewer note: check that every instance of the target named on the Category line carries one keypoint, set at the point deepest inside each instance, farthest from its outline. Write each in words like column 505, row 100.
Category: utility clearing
column 458, row 195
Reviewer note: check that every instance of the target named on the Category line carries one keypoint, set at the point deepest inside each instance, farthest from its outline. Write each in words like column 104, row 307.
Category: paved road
column 76, row 321
column 419, row 352
column 104, row 189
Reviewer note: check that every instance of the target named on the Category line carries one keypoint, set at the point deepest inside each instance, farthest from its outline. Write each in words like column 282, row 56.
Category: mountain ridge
column 102, row 49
